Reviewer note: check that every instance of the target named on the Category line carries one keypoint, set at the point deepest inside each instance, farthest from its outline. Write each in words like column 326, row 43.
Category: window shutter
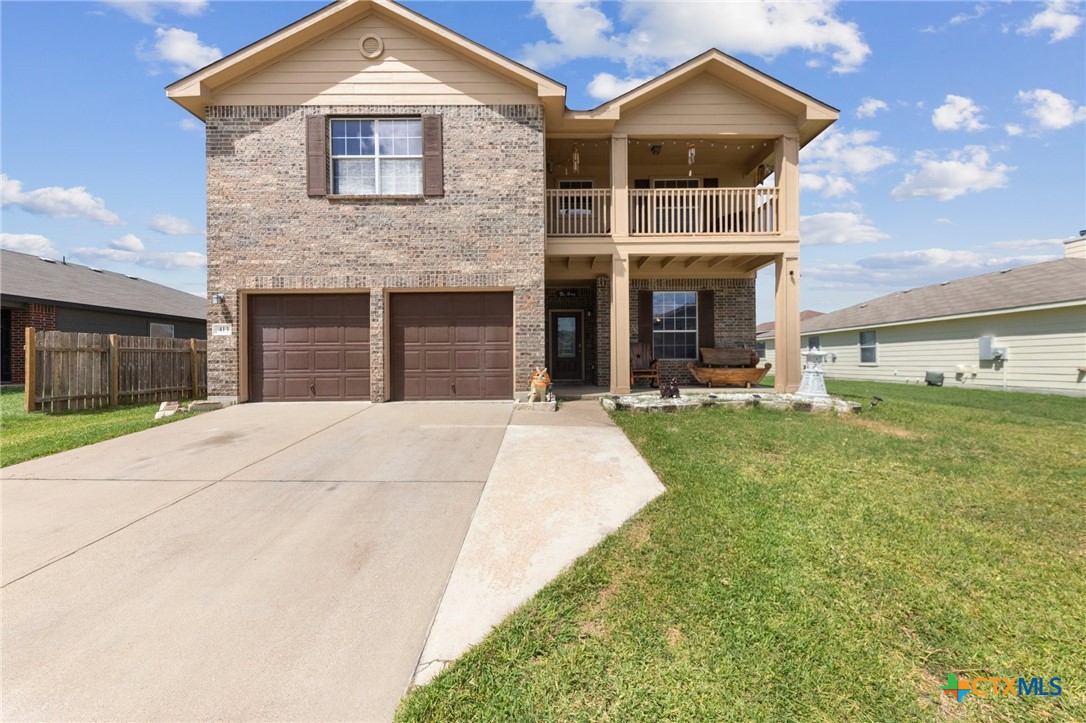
column 706, row 319
column 642, row 183
column 316, row 155
column 644, row 317
column 433, row 165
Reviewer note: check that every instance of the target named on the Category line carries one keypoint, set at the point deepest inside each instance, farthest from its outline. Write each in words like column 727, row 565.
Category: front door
column 567, row 346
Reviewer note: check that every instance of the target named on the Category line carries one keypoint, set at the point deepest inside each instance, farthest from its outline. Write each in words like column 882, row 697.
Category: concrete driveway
column 260, row 562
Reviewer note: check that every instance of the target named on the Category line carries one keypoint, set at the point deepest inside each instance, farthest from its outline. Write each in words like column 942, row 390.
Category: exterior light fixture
column 217, row 299
column 655, row 149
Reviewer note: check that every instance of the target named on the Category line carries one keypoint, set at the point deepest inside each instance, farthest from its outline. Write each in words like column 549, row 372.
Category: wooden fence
column 70, row 370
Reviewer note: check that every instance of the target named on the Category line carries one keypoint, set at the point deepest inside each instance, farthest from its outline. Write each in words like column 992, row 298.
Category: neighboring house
column 762, row 329
column 1023, row 328
column 396, row 212
column 51, row 295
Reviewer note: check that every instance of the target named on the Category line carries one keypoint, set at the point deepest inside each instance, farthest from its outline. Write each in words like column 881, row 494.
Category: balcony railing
column 579, row 212
column 667, row 211
column 715, row 211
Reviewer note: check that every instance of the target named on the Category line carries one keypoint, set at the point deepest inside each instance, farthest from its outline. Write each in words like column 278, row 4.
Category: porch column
column 620, row 324
column 786, row 323
column 786, row 172
column 620, row 185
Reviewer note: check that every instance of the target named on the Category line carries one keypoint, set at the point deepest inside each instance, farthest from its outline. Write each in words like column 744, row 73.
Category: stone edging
column 651, row 402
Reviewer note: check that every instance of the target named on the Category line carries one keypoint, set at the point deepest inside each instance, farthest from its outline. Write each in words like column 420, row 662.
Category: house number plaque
column 222, row 329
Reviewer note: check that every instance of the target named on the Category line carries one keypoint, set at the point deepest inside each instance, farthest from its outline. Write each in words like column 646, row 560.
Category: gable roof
column 29, row 278
column 195, row 90
column 813, row 115
column 1049, row 282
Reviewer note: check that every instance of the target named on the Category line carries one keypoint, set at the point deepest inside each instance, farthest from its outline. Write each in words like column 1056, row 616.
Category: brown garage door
column 452, row 345
column 309, row 347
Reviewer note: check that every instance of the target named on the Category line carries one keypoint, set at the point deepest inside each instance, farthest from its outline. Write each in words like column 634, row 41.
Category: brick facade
column 42, row 317
column 265, row 233
column 733, row 315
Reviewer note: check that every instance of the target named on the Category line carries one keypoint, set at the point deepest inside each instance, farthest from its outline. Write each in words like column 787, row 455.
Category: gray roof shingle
column 1049, row 282
column 28, row 277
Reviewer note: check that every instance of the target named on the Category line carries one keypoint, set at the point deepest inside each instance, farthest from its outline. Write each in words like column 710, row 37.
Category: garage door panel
column 451, row 345
column 309, row 347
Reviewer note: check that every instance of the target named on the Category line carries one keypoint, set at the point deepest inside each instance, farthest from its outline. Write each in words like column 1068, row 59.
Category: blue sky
column 961, row 146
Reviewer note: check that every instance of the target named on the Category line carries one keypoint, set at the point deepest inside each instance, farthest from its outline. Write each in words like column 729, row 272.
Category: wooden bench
column 643, row 365
column 741, row 358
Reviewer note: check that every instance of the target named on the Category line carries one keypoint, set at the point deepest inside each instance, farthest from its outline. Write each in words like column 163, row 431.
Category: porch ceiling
column 648, row 267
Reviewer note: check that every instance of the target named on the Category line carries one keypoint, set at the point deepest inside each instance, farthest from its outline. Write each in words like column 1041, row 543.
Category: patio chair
column 643, row 365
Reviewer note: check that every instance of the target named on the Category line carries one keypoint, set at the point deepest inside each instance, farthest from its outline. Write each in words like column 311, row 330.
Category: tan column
column 620, row 324
column 620, row 187
column 786, row 323
column 786, row 170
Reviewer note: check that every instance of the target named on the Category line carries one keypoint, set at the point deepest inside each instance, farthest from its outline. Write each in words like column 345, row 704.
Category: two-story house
column 398, row 213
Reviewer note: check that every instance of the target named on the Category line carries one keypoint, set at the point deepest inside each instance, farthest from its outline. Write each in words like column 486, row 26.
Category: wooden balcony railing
column 579, row 212
column 714, row 211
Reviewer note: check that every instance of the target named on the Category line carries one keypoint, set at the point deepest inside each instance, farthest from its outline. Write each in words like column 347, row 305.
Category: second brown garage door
column 452, row 345
column 309, row 347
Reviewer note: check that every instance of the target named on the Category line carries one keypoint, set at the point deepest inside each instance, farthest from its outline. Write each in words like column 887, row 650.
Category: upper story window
column 868, row 347
column 376, row 156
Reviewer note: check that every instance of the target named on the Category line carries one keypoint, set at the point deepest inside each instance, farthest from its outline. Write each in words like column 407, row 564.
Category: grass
column 28, row 436
column 811, row 567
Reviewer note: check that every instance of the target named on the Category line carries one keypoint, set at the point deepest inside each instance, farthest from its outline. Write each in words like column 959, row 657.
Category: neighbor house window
column 814, row 342
column 675, row 324
column 868, row 347
column 377, row 157
column 161, row 331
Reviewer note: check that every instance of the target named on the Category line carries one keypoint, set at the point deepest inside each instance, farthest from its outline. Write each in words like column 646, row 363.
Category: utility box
column 933, row 379
column 988, row 351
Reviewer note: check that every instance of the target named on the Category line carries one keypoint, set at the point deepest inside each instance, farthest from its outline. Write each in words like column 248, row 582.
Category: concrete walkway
column 561, row 483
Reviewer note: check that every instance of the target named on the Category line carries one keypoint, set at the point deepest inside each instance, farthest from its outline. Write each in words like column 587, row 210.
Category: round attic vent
column 371, row 46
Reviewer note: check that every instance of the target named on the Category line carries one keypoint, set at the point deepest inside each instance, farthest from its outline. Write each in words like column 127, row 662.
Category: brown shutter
column 644, row 317
column 706, row 319
column 316, row 155
column 642, row 183
column 433, row 166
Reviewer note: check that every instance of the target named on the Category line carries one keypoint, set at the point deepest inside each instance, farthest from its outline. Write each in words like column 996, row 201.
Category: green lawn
column 809, row 567
column 26, row 436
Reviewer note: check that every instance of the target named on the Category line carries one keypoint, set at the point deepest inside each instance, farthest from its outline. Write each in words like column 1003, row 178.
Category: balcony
column 667, row 212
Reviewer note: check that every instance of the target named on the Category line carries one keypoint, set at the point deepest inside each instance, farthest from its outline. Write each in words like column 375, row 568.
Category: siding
column 1044, row 351
column 101, row 322
column 703, row 106
column 412, row 71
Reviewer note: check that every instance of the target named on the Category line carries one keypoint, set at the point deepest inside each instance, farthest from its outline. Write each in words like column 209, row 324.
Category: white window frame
column 163, row 328
column 873, row 346
column 584, row 203
column 376, row 155
column 693, row 331
column 814, row 342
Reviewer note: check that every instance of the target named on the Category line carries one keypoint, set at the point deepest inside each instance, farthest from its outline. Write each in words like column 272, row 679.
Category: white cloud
column 675, row 31
column 147, row 11
column 839, row 227
column 28, row 243
column 129, row 249
column 842, row 152
column 605, row 86
column 189, row 124
column 978, row 12
column 1032, row 243
column 943, row 221
column 956, row 114
column 828, row 186
column 968, row 170
column 1013, row 129
column 172, row 225
column 1050, row 109
column 128, row 242
column 1062, row 18
column 56, row 202
column 181, row 48
column 870, row 106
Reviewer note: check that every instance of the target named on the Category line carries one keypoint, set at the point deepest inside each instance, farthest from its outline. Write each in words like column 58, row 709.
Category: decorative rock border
column 651, row 402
